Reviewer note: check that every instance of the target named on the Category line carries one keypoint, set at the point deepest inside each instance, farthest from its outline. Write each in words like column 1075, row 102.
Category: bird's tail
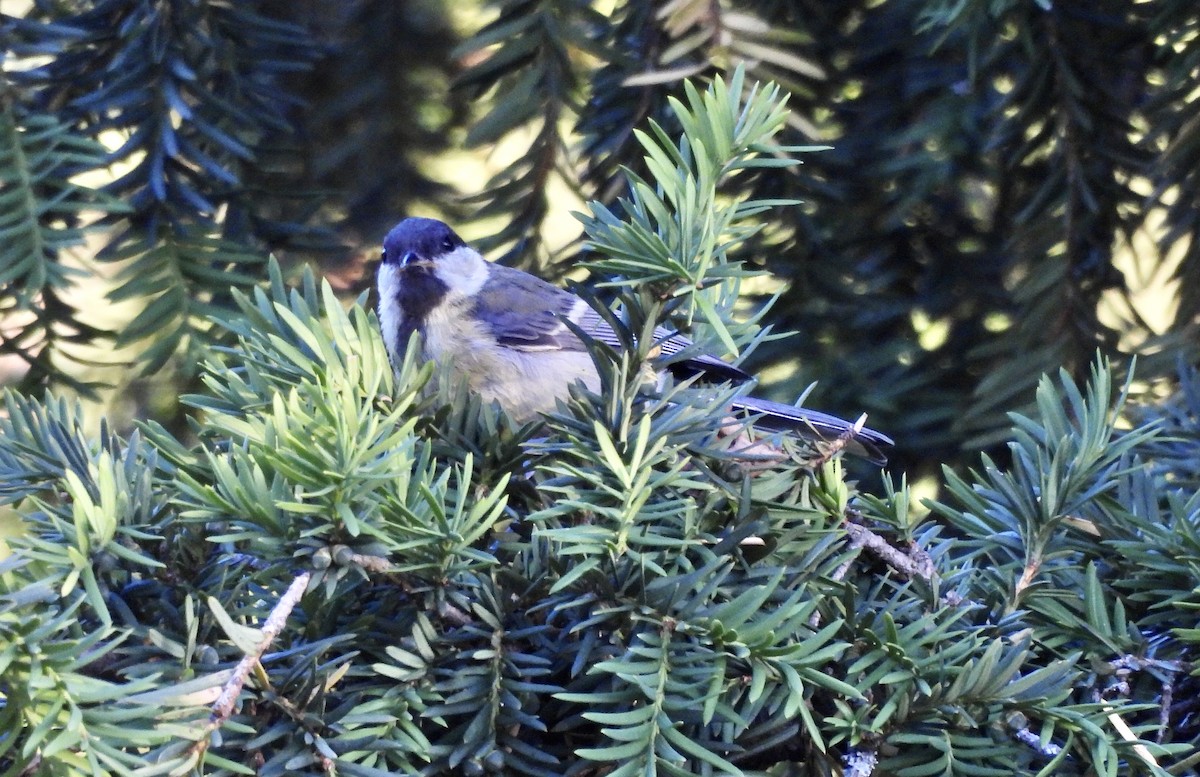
column 777, row 416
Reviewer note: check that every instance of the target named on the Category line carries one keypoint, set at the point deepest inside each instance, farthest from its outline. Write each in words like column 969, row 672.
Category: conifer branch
column 223, row 707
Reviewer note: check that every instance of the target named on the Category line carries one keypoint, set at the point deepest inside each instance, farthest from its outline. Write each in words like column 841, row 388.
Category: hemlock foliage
column 422, row 587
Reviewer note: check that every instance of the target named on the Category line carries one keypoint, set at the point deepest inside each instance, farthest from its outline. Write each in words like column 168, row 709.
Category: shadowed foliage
column 316, row 561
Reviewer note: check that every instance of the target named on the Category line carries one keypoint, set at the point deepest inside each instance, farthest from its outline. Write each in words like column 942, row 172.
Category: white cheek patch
column 463, row 271
column 388, row 280
column 389, row 310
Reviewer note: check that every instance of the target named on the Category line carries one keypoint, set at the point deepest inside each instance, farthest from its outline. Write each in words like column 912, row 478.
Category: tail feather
column 866, row 443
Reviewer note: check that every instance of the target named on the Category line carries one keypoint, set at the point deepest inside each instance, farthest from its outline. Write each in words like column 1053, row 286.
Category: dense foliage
column 1004, row 181
column 353, row 573
column 319, row 563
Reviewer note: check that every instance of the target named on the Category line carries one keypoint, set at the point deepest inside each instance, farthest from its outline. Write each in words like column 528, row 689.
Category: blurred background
column 1010, row 185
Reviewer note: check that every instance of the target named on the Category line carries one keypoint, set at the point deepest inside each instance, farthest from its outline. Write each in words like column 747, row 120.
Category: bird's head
column 425, row 263
column 417, row 244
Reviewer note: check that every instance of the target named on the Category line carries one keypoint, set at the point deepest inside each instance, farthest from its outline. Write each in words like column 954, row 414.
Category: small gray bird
column 503, row 330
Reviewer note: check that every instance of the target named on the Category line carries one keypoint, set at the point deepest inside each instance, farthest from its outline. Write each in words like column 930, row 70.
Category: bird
column 505, row 332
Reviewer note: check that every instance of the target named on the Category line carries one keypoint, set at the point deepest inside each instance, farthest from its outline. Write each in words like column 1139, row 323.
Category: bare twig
column 453, row 614
column 1126, row 664
column 1027, row 576
column 344, row 556
column 1164, row 709
column 377, row 564
column 1127, row 734
column 223, row 706
column 814, row 620
column 844, row 567
column 914, row 563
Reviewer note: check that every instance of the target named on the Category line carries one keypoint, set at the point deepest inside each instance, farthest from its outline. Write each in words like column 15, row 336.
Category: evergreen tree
column 350, row 572
column 321, row 564
column 1004, row 179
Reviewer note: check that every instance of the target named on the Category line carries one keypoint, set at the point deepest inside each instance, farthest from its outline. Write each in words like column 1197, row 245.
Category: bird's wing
column 525, row 313
column 668, row 343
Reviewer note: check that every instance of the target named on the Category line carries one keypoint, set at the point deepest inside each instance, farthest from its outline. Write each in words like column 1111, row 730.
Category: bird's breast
column 524, row 383
column 406, row 298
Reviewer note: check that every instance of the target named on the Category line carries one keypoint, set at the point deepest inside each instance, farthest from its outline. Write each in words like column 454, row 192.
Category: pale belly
column 524, row 383
column 528, row 383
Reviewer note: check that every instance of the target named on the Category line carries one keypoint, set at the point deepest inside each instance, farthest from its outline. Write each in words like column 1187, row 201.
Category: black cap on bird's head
column 418, row 242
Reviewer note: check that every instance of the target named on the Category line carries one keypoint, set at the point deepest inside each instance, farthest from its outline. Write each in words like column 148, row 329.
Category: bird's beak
column 414, row 260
